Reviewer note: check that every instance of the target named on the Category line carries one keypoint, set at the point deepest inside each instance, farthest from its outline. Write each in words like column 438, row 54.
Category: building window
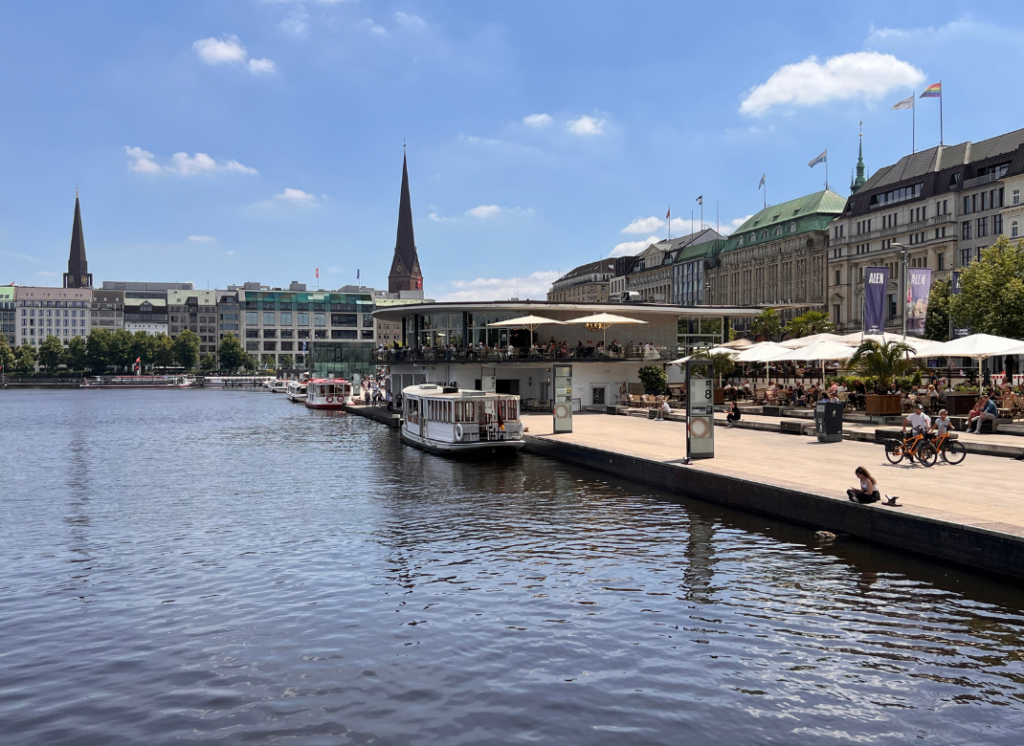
column 303, row 320
column 251, row 318
column 269, row 346
column 252, row 333
column 320, row 319
column 941, row 257
column 997, row 225
column 839, row 275
column 270, row 333
column 252, row 346
column 321, row 334
column 344, row 319
column 1016, row 196
column 891, row 306
column 982, row 227
column 268, row 318
column 1013, row 229
column 286, row 319
column 965, row 230
column 965, row 257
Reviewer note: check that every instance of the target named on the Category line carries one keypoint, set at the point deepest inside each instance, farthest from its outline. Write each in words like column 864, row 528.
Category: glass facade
column 334, row 359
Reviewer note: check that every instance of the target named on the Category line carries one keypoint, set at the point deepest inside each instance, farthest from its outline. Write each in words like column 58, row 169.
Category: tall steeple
column 858, row 182
column 405, row 267
column 77, row 275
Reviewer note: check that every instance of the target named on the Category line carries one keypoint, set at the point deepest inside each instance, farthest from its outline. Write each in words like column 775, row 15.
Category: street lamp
column 903, row 285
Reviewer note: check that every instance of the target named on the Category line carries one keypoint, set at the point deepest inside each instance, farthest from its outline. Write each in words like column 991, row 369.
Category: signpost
column 562, row 410
column 700, row 409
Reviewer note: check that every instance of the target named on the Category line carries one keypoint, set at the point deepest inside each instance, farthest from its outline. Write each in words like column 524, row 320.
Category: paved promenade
column 983, row 492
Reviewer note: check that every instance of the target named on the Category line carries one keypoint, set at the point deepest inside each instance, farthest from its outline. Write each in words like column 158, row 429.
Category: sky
column 229, row 141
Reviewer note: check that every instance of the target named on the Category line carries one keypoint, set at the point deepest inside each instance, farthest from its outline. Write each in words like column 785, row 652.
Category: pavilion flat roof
column 538, row 306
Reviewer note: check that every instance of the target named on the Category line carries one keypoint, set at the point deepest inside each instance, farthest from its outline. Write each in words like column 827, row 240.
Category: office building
column 588, row 283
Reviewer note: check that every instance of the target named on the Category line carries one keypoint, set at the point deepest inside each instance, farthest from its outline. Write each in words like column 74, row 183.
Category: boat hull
column 478, row 449
column 335, row 405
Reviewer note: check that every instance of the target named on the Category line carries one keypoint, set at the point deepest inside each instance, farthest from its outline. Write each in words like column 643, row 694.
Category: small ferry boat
column 279, row 386
column 138, row 382
column 296, row 391
column 235, row 382
column 453, row 421
column 328, row 393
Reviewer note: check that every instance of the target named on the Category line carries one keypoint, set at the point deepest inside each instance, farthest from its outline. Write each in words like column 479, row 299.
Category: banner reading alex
column 954, row 289
column 876, row 280
column 918, row 289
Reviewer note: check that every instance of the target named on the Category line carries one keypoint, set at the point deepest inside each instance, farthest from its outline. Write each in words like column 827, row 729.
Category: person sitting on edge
column 868, row 490
column 733, row 415
column 989, row 411
column 918, row 420
column 664, row 410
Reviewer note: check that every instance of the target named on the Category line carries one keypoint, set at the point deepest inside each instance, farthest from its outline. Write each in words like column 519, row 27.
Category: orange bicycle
column 915, row 447
column 951, row 449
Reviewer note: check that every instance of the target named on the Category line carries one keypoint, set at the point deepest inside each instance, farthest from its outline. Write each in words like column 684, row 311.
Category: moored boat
column 297, row 391
column 279, row 386
column 138, row 382
column 328, row 393
column 453, row 421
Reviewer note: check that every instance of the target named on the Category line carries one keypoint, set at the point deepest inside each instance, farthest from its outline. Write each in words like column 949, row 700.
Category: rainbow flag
column 933, row 91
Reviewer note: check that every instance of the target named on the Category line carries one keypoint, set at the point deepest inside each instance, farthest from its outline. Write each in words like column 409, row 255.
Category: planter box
column 960, row 402
column 883, row 404
column 719, row 396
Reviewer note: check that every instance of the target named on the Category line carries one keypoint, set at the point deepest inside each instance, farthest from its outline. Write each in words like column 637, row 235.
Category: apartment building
column 588, row 283
column 107, row 309
column 8, row 313
column 195, row 310
column 61, row 312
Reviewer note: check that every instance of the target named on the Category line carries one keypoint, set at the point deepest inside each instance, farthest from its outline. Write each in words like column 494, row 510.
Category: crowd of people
column 551, row 350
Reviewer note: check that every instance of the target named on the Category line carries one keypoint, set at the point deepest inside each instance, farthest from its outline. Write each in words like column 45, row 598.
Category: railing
column 521, row 355
column 886, row 232
column 978, row 181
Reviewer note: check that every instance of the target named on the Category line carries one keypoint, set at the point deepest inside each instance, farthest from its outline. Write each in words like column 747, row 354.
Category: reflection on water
column 196, row 566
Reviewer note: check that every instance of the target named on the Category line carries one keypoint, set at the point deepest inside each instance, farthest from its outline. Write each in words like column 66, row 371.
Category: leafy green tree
column 812, row 322
column 936, row 324
column 991, row 299
column 163, row 351
column 51, row 353
column 250, row 363
column 119, row 352
column 141, row 349
column 76, row 353
column 186, row 349
column 25, row 359
column 766, row 324
column 232, row 355
column 208, row 363
column 7, row 358
column 722, row 363
column 97, row 349
column 286, row 361
column 653, row 377
column 883, row 362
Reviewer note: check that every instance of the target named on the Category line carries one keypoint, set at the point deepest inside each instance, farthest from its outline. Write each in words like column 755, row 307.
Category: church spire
column 858, row 182
column 405, row 267
column 77, row 275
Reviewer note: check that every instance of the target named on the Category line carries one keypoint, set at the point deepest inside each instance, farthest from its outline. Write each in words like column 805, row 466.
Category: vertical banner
column 918, row 289
column 876, row 280
column 954, row 289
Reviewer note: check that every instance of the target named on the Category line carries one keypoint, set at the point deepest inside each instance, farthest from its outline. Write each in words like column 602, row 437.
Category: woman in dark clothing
column 733, row 414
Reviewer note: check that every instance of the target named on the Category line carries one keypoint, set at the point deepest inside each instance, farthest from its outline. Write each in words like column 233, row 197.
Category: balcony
column 881, row 233
column 523, row 355
column 980, row 180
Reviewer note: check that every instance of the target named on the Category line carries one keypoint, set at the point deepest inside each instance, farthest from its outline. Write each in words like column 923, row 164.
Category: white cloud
column 229, row 253
column 644, row 225
column 438, row 218
column 534, row 286
column 228, row 49
column 296, row 24
column 585, row 125
column 628, row 248
column 869, row 75
column 182, row 164
column 375, row 28
column 202, row 239
column 410, row 21
column 538, row 120
column 44, row 273
column 733, row 224
column 485, row 212
column 296, row 197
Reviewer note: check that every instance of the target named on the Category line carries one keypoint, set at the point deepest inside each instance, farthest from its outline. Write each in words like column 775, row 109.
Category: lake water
column 227, row 567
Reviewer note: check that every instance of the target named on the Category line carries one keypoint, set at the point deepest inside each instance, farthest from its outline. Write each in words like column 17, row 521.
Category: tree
column 722, row 363
column 141, row 349
column 25, row 359
column 51, row 353
column 653, row 377
column 76, row 354
column 208, row 363
column 232, row 356
column 766, row 324
column 163, row 351
column 991, row 299
column 119, row 352
column 97, row 350
column 884, row 362
column 812, row 322
column 936, row 324
column 250, row 363
column 186, row 349
column 7, row 358
column 286, row 361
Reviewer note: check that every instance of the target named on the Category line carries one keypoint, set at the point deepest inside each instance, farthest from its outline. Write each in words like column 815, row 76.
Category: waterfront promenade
column 947, row 510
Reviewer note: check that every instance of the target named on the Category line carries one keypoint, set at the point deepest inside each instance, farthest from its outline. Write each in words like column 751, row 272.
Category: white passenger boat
column 235, row 382
column 297, row 391
column 138, row 382
column 328, row 393
column 279, row 386
column 453, row 421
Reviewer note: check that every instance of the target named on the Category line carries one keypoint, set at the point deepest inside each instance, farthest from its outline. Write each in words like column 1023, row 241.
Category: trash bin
column 828, row 421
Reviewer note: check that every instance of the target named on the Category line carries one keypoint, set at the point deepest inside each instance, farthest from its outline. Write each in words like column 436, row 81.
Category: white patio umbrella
column 525, row 322
column 738, row 344
column 820, row 351
column 857, row 337
column 762, row 352
column 805, row 341
column 723, row 350
column 601, row 322
column 975, row 346
column 1015, row 350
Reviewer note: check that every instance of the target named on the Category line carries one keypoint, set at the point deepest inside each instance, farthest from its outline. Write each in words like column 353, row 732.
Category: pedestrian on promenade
column 733, row 415
column 868, row 490
column 390, row 401
column 989, row 411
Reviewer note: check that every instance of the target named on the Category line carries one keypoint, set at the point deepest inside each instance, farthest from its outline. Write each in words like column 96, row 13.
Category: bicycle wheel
column 894, row 451
column 954, row 452
column 926, row 453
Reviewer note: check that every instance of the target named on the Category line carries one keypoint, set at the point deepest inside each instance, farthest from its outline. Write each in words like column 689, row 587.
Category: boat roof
column 450, row 392
column 328, row 380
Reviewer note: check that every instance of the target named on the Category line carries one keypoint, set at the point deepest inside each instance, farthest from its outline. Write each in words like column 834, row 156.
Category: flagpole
column 718, row 219
column 941, row 135
column 913, row 124
column 826, row 169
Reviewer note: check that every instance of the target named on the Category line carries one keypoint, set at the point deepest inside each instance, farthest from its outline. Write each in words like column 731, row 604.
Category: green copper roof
column 703, row 250
column 811, row 213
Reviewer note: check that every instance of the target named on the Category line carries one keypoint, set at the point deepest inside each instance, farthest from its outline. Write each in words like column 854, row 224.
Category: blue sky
column 226, row 141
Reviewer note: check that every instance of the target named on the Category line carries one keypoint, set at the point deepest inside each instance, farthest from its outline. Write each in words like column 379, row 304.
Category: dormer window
column 792, row 227
column 764, row 235
column 778, row 231
column 753, row 237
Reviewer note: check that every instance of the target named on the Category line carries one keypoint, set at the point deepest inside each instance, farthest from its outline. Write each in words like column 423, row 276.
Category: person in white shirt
column 664, row 411
column 919, row 422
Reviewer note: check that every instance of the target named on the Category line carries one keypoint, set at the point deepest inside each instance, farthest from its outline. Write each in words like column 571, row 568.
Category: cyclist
column 919, row 422
column 942, row 424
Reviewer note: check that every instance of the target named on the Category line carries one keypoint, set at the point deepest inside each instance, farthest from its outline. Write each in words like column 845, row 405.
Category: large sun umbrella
column 976, row 346
column 762, row 352
column 857, row 337
column 738, row 344
column 1015, row 350
column 601, row 322
column 524, row 322
column 723, row 350
column 805, row 341
column 820, row 351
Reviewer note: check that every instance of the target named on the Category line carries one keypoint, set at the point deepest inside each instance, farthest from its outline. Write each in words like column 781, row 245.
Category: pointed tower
column 858, row 182
column 77, row 275
column 405, row 267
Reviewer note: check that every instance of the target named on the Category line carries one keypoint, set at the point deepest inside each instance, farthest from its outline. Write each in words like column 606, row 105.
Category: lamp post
column 903, row 285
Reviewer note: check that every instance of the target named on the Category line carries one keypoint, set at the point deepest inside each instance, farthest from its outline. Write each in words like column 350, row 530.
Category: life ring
column 330, row 400
column 458, row 431
column 562, row 411
column 699, row 427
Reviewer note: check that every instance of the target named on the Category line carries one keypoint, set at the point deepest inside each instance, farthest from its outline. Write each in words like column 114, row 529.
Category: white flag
column 907, row 103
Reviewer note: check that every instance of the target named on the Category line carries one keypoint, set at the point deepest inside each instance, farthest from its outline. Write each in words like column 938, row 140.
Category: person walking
column 390, row 401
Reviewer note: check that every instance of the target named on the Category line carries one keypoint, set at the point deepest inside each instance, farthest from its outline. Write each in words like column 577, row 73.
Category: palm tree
column 767, row 323
column 812, row 322
column 884, row 361
column 722, row 363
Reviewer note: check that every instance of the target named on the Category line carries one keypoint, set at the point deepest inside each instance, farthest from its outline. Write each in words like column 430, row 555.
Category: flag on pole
column 700, row 200
column 761, row 184
column 357, row 274
column 668, row 215
column 318, row 273
column 907, row 103
column 823, row 158
column 932, row 91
